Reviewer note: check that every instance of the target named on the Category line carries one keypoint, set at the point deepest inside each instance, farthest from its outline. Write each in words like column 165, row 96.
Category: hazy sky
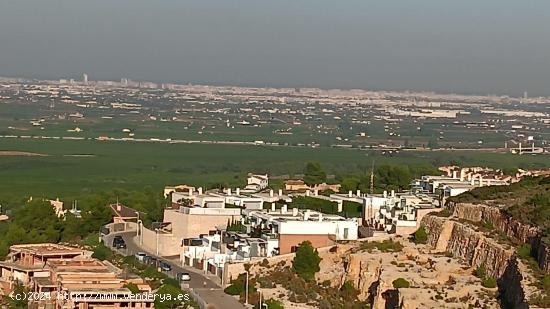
column 468, row 46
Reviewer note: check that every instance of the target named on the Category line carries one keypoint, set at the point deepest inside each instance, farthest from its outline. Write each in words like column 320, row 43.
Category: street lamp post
column 260, row 292
column 157, row 232
column 246, row 290
column 140, row 229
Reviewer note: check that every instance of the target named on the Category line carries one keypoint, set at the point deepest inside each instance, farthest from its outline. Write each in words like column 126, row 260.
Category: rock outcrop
column 513, row 228
column 501, row 221
column 465, row 243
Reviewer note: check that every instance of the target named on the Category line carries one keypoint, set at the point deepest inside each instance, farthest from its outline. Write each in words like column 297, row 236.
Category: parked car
column 121, row 245
column 149, row 260
column 140, row 257
column 118, row 240
column 183, row 277
column 165, row 266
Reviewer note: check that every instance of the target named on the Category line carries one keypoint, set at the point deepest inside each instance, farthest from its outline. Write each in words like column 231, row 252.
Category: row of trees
column 386, row 177
column 35, row 221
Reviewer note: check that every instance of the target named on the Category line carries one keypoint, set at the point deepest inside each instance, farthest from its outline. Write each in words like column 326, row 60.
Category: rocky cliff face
column 542, row 254
column 474, row 248
column 500, row 220
column 513, row 228
column 465, row 243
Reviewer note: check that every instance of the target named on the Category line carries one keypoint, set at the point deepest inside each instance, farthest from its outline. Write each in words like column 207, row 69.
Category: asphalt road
column 207, row 289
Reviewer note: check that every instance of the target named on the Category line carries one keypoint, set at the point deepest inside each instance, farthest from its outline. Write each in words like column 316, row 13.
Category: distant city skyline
column 468, row 47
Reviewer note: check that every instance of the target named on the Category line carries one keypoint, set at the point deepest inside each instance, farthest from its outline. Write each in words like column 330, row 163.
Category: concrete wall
column 190, row 225
column 286, row 242
column 168, row 245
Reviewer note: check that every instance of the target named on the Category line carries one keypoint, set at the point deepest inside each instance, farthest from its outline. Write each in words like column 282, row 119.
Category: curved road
column 207, row 289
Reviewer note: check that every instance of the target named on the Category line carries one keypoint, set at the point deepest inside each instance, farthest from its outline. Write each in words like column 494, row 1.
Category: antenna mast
column 371, row 189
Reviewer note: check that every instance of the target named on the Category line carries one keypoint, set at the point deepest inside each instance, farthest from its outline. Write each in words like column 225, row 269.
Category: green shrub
column 420, row 236
column 273, row 304
column 348, row 291
column 387, row 245
column 171, row 281
column 400, row 283
column 153, row 273
column 524, row 251
column 545, row 282
column 306, row 262
column 132, row 287
column 480, row 272
column 489, row 282
column 234, row 289
column 102, row 253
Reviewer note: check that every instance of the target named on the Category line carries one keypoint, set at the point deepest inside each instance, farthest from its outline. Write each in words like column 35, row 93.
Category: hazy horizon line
column 250, row 85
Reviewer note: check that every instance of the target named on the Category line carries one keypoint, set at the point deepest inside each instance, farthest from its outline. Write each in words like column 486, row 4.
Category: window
column 346, row 232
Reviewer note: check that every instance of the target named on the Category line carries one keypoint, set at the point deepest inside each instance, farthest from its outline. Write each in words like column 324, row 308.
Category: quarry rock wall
column 509, row 226
column 463, row 242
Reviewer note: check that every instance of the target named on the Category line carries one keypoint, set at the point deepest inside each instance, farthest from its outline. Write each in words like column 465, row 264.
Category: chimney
column 350, row 194
column 488, row 182
column 190, row 191
column 358, row 193
column 316, row 192
column 472, row 180
column 228, row 191
column 270, row 193
column 461, row 174
column 455, row 174
column 307, row 192
column 200, row 190
column 480, row 181
column 238, row 191
column 284, row 208
column 340, row 205
column 320, row 217
column 273, row 207
column 280, row 192
column 118, row 207
column 294, row 211
column 385, row 193
column 392, row 193
column 306, row 215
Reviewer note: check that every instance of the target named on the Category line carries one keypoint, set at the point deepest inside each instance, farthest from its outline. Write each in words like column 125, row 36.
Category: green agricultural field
column 70, row 168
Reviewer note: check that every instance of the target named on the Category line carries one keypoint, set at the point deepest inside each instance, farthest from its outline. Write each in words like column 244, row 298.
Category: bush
column 545, row 282
column 132, row 287
column 524, row 251
column 238, row 286
column 420, row 236
column 273, row 304
column 102, row 253
column 171, row 281
column 400, row 283
column 153, row 273
column 348, row 291
column 385, row 246
column 234, row 289
column 306, row 262
column 480, row 272
column 489, row 282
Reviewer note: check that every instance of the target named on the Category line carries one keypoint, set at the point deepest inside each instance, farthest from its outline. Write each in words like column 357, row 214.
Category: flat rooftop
column 46, row 249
